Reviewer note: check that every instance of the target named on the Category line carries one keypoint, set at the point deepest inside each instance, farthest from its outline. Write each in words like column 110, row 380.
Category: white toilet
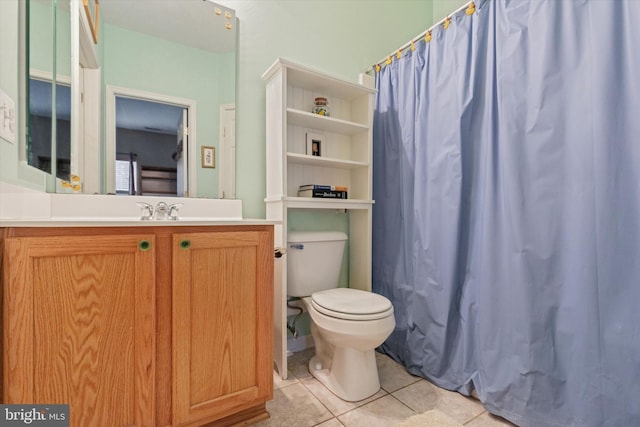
column 346, row 324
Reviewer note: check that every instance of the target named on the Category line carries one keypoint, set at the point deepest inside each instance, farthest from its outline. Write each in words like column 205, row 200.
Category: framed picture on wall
column 208, row 157
column 314, row 144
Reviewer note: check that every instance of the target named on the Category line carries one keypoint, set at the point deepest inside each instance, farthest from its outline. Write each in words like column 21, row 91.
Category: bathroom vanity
column 139, row 324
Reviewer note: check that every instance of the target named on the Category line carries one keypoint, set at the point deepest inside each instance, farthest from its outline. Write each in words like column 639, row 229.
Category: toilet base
column 352, row 376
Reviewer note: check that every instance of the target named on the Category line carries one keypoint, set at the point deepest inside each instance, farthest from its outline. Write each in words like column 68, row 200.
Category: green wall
column 40, row 41
column 342, row 38
column 442, row 8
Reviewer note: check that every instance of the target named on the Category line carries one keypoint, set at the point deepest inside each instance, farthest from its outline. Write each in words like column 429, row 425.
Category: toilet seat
column 351, row 304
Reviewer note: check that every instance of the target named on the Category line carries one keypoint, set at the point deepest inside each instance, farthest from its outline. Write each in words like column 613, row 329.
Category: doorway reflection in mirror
column 149, row 147
column 41, row 126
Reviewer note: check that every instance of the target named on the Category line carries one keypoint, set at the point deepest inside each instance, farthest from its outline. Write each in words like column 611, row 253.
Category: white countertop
column 128, row 222
column 22, row 207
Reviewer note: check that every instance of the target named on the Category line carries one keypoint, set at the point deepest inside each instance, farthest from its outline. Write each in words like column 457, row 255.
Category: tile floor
column 301, row 400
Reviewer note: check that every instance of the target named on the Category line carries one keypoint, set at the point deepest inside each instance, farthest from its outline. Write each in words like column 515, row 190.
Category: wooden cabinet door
column 222, row 323
column 79, row 326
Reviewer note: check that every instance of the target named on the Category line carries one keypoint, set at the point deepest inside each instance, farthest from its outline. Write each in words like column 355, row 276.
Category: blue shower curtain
column 507, row 215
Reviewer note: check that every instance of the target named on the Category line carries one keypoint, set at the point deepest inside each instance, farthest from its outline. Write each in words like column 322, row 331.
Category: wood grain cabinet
column 79, row 327
column 221, row 336
column 139, row 326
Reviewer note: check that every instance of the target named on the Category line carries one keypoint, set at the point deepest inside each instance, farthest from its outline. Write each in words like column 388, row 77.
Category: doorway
column 149, row 140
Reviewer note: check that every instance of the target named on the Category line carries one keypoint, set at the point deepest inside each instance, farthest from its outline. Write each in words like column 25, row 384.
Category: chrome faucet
column 161, row 211
column 146, row 211
column 172, row 211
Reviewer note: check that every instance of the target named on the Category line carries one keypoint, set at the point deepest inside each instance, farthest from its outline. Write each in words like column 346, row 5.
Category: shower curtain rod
column 419, row 36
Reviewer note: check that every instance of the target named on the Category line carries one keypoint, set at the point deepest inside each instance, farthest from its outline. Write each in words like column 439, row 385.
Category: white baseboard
column 295, row 345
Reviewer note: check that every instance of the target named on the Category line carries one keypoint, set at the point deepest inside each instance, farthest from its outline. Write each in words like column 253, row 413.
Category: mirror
column 49, row 87
column 168, row 53
column 165, row 53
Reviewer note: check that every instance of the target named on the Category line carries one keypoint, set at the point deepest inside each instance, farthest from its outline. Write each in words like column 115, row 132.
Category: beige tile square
column 423, row 396
column 393, row 376
column 278, row 382
column 488, row 420
column 298, row 363
column 383, row 412
column 420, row 396
column 295, row 406
column 336, row 405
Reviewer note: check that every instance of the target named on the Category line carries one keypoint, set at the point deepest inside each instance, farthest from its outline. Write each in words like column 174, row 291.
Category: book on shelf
column 323, row 194
column 323, row 187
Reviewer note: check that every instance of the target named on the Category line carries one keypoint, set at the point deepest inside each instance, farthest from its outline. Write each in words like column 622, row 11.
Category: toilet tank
column 314, row 259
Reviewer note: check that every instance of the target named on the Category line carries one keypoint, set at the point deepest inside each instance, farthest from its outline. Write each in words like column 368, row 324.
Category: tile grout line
column 344, row 413
column 309, row 377
column 334, row 418
column 387, row 393
column 404, row 404
column 408, row 385
column 319, row 401
column 301, row 382
column 473, row 418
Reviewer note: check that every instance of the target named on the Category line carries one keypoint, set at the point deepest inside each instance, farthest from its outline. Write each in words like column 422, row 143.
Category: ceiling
column 190, row 22
column 147, row 116
column 193, row 23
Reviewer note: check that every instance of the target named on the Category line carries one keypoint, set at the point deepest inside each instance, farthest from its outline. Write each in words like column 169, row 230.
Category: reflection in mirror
column 42, row 125
column 175, row 50
column 48, row 88
column 149, row 143
column 157, row 130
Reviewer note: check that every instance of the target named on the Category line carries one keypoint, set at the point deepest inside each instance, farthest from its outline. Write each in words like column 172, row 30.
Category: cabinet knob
column 184, row 244
column 144, row 245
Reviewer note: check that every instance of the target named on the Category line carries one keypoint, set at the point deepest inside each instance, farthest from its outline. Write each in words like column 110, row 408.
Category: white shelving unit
column 346, row 160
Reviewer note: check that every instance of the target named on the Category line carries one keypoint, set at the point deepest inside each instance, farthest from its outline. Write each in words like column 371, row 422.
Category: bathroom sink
column 84, row 207
column 22, row 204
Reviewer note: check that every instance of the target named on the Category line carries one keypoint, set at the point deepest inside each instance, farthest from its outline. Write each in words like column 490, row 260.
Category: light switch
column 7, row 117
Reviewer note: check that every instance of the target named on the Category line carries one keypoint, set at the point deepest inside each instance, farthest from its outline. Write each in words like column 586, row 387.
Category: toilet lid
column 351, row 304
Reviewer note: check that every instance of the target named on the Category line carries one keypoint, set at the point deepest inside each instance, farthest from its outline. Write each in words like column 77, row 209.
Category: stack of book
column 323, row 191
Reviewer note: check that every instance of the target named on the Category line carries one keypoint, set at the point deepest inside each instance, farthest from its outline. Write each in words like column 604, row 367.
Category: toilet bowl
column 346, row 324
column 345, row 339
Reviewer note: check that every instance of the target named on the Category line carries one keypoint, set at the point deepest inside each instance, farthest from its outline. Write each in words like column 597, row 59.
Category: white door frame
column 182, row 137
column 89, row 147
column 227, row 162
column 110, row 122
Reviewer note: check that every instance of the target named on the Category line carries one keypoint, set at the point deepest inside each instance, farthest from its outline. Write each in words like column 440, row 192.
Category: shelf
column 320, row 203
column 347, row 161
column 301, row 76
column 329, row 124
column 303, row 159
